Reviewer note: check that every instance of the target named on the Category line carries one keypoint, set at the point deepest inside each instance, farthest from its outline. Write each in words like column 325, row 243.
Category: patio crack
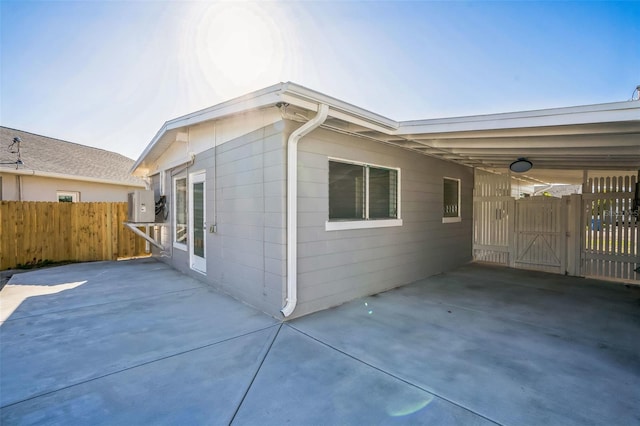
column 246, row 392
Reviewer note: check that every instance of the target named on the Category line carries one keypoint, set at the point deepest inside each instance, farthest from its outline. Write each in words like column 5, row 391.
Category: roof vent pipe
column 292, row 205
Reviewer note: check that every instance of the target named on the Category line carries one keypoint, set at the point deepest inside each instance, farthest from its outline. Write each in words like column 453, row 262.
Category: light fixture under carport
column 521, row 165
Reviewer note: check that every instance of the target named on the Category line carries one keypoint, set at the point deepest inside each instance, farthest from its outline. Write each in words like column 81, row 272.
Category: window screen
column 383, row 193
column 181, row 211
column 451, row 198
column 346, row 191
column 352, row 185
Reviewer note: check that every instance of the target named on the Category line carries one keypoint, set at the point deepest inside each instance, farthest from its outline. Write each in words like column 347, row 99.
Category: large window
column 451, row 200
column 180, row 217
column 361, row 192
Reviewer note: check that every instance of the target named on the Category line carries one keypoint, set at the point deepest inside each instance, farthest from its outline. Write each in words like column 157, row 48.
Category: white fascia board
column 587, row 114
column 290, row 93
column 30, row 172
column 255, row 100
column 303, row 97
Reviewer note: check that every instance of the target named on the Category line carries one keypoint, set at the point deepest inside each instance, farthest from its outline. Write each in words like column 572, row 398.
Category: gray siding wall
column 337, row 266
column 246, row 198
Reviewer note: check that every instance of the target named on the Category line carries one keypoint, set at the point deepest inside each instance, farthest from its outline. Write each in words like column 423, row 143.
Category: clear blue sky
column 110, row 73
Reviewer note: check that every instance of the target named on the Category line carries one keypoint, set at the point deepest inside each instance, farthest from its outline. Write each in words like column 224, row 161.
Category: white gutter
column 626, row 111
column 292, row 205
column 30, row 172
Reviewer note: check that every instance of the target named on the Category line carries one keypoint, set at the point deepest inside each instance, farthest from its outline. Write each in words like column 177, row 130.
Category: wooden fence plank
column 33, row 232
column 7, row 227
column 19, row 235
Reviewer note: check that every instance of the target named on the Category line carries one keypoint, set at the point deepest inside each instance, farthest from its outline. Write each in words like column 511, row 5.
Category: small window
column 68, row 197
column 451, row 200
column 180, row 217
column 360, row 192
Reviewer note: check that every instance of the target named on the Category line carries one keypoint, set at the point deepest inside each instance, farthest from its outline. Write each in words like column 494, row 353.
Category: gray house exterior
column 340, row 265
column 293, row 201
column 239, row 153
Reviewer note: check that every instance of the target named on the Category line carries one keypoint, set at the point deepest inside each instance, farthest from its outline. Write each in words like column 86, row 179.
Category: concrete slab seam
column 143, row 364
column 104, row 304
column 266, row 353
column 394, row 376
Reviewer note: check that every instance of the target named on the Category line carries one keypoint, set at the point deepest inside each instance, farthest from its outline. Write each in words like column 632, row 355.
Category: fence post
column 512, row 206
column 574, row 234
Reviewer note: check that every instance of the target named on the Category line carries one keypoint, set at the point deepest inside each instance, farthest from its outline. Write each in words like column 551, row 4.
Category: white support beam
column 134, row 227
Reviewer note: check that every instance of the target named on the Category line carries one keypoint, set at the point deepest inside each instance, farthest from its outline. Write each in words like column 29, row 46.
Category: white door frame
column 196, row 262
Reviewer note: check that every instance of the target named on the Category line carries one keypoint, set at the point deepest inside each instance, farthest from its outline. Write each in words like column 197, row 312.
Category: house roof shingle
column 50, row 155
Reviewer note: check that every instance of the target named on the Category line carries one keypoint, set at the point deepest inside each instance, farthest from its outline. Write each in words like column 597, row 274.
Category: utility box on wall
column 142, row 206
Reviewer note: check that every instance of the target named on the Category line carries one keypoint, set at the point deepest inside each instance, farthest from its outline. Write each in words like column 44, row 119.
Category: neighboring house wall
column 337, row 266
column 36, row 188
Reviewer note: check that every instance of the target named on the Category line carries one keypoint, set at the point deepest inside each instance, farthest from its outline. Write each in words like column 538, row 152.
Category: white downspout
column 292, row 205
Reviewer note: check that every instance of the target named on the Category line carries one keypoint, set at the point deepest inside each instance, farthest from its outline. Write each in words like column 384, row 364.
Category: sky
column 110, row 73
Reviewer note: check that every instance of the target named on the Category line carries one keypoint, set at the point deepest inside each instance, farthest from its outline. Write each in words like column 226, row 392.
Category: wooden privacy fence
column 37, row 232
column 593, row 234
column 611, row 246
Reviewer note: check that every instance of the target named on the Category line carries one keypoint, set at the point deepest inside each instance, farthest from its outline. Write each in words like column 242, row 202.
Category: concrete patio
column 138, row 343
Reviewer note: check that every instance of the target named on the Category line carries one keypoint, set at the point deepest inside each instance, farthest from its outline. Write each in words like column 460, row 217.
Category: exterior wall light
column 521, row 165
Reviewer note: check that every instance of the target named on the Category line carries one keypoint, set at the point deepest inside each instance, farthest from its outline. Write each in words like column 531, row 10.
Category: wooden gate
column 492, row 217
column 610, row 223
column 540, row 234
column 593, row 234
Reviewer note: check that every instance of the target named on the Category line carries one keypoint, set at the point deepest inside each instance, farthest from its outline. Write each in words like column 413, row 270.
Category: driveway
column 139, row 343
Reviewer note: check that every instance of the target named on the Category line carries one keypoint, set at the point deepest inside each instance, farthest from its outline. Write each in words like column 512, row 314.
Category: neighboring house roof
column 51, row 157
column 590, row 137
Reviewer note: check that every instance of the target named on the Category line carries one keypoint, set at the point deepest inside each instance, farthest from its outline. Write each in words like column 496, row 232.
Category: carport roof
column 557, row 141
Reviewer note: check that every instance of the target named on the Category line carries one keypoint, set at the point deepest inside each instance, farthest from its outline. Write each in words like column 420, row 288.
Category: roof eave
column 585, row 114
column 289, row 93
column 53, row 175
column 252, row 101
column 306, row 98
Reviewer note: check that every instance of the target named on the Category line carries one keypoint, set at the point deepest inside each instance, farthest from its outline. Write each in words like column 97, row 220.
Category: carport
column 139, row 343
column 593, row 232
column 595, row 147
